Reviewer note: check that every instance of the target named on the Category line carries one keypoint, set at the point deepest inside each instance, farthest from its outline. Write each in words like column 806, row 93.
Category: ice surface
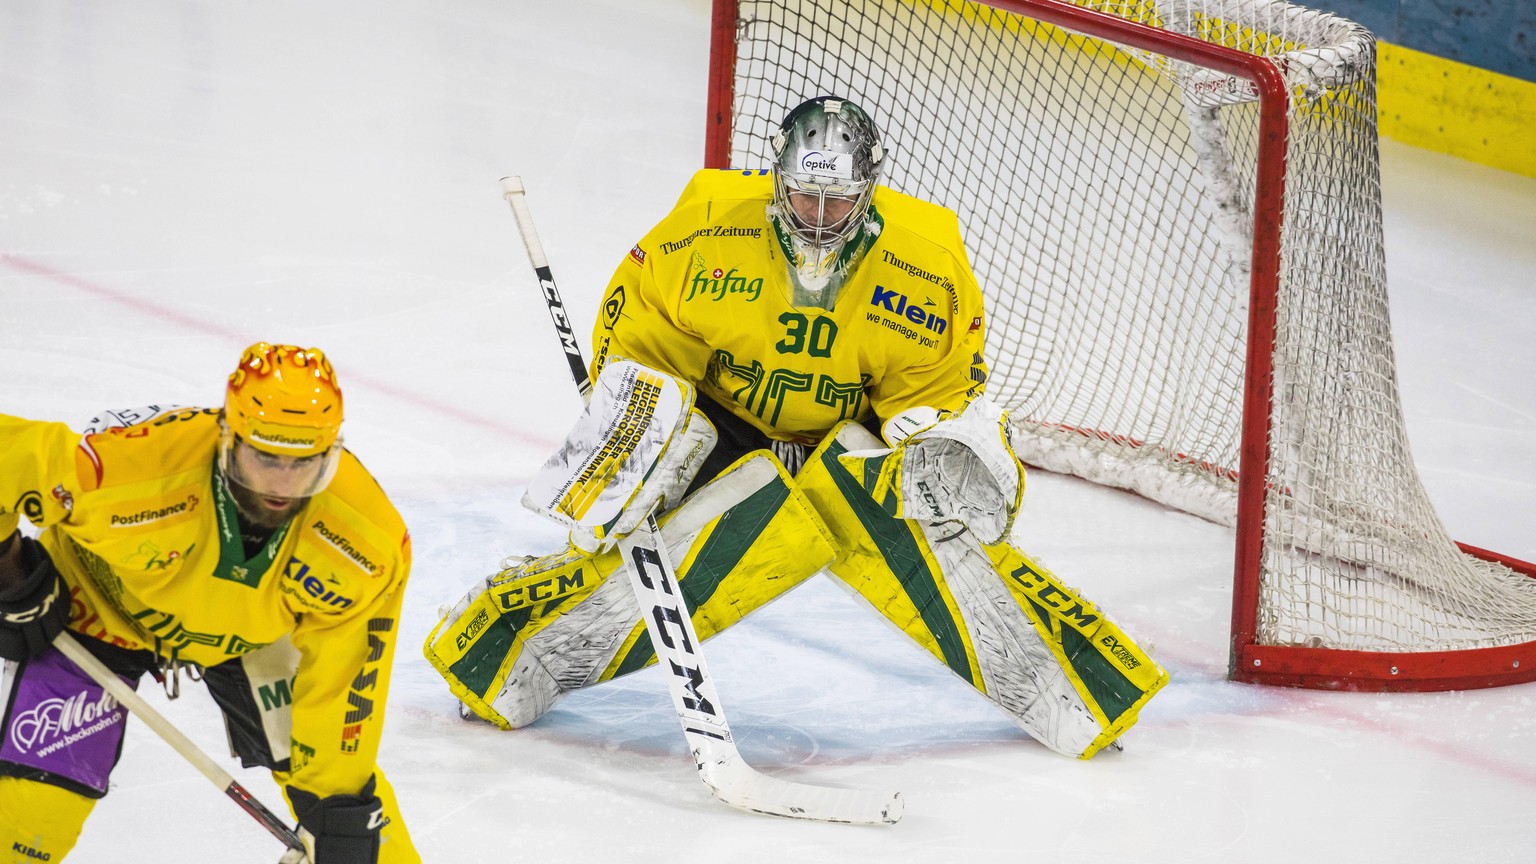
column 183, row 178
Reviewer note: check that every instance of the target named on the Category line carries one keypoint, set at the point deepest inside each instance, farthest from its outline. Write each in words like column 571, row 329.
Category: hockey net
column 1177, row 224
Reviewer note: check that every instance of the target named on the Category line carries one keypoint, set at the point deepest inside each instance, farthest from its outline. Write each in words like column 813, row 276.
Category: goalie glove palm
column 961, row 468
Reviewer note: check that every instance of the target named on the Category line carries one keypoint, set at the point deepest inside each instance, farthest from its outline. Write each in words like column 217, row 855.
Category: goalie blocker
column 635, row 448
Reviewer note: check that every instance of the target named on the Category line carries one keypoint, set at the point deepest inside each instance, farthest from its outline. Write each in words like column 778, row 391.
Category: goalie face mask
column 827, row 159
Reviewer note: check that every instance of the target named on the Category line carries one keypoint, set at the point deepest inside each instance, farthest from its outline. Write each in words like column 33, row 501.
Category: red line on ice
column 166, row 313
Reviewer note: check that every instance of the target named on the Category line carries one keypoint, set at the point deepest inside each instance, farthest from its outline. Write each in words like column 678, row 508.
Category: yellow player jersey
column 707, row 296
column 145, row 538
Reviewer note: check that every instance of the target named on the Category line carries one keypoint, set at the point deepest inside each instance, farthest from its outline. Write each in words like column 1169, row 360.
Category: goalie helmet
column 826, row 162
column 281, row 424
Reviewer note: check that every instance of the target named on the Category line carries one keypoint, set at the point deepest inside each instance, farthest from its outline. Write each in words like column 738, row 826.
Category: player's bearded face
column 269, row 489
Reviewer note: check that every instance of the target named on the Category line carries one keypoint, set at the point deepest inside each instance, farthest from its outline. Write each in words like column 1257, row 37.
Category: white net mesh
column 1107, row 198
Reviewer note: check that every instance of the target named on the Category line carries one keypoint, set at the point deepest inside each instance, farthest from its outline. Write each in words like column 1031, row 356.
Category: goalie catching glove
column 959, row 467
column 635, row 448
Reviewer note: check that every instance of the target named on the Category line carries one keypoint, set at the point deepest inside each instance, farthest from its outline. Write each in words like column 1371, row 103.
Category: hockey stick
column 512, row 190
column 654, row 580
column 204, row 763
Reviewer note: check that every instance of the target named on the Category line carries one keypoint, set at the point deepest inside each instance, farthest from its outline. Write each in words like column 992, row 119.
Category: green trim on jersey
column 233, row 565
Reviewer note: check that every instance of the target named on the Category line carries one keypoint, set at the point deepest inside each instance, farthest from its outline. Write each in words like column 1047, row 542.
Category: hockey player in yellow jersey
column 243, row 541
column 827, row 334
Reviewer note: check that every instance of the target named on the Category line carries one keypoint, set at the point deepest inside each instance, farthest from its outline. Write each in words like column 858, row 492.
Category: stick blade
column 738, row 784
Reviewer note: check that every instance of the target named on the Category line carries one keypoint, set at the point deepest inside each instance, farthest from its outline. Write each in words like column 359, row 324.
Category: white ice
column 179, row 179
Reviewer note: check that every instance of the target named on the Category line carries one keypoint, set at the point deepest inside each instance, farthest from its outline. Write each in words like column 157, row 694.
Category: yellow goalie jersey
column 707, row 296
column 146, row 540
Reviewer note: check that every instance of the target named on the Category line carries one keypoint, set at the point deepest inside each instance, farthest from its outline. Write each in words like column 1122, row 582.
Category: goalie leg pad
column 477, row 646
column 884, row 559
column 1111, row 675
column 1065, row 673
column 521, row 639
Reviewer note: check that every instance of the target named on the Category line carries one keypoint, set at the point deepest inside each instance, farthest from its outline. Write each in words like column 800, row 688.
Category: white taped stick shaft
column 513, row 191
column 516, row 194
column 141, row 709
column 729, row 778
column 130, row 699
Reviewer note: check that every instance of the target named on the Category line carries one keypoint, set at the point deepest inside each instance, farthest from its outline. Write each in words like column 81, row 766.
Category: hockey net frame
column 1219, row 53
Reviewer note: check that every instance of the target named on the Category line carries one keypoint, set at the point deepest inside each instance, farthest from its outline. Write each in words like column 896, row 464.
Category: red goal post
column 1340, row 569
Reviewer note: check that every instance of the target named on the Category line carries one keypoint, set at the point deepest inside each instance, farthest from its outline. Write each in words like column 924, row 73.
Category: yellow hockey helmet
column 283, row 401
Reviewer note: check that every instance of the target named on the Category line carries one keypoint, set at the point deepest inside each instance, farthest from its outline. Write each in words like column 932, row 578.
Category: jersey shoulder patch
column 122, row 418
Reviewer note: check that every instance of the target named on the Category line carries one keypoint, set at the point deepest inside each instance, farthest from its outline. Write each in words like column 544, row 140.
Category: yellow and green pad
column 1066, row 674
column 522, row 638
column 1112, row 674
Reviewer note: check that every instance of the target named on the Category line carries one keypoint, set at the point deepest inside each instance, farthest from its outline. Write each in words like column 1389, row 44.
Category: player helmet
column 281, row 425
column 826, row 162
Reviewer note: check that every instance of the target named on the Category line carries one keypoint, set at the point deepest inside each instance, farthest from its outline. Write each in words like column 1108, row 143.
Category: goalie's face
column 820, row 212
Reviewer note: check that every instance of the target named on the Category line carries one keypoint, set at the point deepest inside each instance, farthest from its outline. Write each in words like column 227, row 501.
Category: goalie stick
column 204, row 763
column 654, row 580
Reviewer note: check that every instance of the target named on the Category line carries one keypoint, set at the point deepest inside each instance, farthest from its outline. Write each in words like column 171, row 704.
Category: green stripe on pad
column 738, row 528
column 894, row 540
column 477, row 668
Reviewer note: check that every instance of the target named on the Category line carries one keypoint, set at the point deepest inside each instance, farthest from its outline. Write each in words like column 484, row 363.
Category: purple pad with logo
column 62, row 722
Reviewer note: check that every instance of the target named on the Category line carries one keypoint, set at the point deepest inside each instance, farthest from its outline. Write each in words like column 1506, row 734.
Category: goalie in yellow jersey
column 823, row 336
column 244, row 541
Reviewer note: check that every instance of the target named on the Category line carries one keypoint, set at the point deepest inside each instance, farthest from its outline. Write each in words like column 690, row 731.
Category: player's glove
column 34, row 610
column 339, row 829
column 959, row 467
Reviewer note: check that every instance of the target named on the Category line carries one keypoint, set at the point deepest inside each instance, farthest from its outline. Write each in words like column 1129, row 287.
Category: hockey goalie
column 789, row 368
